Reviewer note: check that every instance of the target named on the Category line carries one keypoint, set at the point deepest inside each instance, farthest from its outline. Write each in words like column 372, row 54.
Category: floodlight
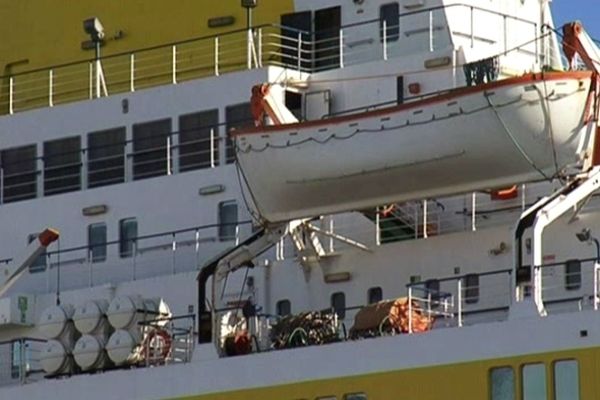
column 93, row 27
column 585, row 235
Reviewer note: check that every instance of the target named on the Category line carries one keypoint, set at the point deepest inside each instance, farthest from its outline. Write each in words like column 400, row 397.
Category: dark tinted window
column 374, row 295
column 471, row 289
column 128, row 232
column 150, row 148
column 228, row 218
column 390, row 14
column 573, row 274
column 338, row 303
column 198, row 140
column 62, row 165
column 284, row 307
column 97, row 242
column 238, row 117
column 106, row 157
column 19, row 172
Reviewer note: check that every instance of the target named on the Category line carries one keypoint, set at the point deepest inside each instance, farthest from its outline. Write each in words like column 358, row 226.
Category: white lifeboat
column 492, row 135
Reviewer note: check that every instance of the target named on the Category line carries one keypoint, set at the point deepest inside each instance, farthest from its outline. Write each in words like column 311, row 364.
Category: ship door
column 328, row 22
column 317, row 104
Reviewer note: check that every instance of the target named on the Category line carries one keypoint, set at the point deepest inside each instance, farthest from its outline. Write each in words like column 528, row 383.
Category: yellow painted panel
column 458, row 381
column 44, row 33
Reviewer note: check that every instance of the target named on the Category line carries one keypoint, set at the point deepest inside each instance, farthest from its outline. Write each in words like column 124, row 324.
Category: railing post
column 217, row 56
column 472, row 29
column 504, row 27
column 91, row 79
column 212, row 147
column 430, row 31
column 249, row 49
column 460, row 297
column 596, row 271
column 425, row 218
column 197, row 246
column 473, row 211
column 377, row 227
column 132, row 72
column 51, row 88
column 410, row 329
column 260, row 51
column 237, row 235
column 341, row 48
column 174, row 62
column 385, row 53
column 331, row 249
column 173, row 250
column 11, row 90
column 169, row 166
column 299, row 52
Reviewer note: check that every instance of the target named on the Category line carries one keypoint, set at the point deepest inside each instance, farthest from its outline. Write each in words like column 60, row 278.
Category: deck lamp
column 249, row 5
column 586, row 236
column 93, row 27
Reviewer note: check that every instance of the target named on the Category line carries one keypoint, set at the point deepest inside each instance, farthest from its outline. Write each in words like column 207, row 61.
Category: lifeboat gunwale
column 451, row 94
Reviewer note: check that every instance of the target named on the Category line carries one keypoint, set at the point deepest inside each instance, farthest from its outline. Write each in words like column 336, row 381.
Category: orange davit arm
column 577, row 41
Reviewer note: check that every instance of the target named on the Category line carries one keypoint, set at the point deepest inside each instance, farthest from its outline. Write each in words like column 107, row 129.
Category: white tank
column 56, row 321
column 89, row 353
column 124, row 348
column 90, row 317
column 125, row 312
column 55, row 359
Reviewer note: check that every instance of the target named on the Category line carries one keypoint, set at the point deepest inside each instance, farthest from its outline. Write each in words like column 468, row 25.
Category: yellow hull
column 464, row 381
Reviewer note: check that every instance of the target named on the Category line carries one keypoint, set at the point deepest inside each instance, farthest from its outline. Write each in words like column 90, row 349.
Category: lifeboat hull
column 494, row 135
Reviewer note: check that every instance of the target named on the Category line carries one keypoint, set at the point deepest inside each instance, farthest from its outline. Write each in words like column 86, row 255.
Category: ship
column 302, row 200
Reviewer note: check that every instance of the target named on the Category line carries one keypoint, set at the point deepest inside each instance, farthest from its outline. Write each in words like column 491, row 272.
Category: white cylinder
column 55, row 359
column 90, row 317
column 125, row 312
column 55, row 321
column 123, row 348
column 89, row 353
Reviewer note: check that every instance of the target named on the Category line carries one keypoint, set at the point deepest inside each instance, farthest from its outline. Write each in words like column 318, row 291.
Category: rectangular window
column 19, row 170
column 573, row 275
column 237, row 117
column 338, row 303
column 198, row 140
column 295, row 32
column 106, row 157
column 471, row 288
column 502, row 383
column 283, row 308
column 389, row 15
column 228, row 219
column 566, row 380
column 39, row 264
column 97, row 242
column 62, row 165
column 150, row 148
column 128, row 232
column 355, row 396
column 17, row 358
column 374, row 295
column 534, row 382
column 328, row 22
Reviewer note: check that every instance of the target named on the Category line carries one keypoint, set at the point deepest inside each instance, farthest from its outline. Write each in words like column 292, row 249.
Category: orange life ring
column 165, row 349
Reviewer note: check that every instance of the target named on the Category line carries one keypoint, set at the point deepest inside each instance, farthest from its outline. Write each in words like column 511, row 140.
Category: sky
column 586, row 11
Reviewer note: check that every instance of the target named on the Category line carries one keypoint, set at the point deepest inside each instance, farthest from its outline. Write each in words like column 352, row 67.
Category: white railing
column 267, row 45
